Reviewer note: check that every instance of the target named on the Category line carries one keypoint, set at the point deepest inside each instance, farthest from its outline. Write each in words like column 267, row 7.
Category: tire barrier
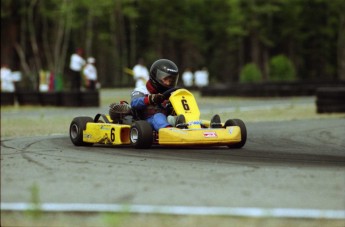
column 50, row 99
column 80, row 99
column 70, row 98
column 268, row 89
column 330, row 100
column 91, row 98
column 66, row 99
column 28, row 98
column 7, row 98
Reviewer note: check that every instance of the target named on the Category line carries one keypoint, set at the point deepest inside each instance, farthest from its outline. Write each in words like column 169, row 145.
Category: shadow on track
column 251, row 153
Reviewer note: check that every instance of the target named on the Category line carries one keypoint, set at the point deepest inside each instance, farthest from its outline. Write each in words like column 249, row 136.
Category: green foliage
column 250, row 74
column 237, row 18
column 281, row 69
column 221, row 34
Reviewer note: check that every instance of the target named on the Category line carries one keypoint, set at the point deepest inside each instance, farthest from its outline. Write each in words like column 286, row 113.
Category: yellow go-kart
column 126, row 128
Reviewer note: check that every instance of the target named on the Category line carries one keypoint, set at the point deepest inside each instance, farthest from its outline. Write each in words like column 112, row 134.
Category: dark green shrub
column 281, row 69
column 250, row 73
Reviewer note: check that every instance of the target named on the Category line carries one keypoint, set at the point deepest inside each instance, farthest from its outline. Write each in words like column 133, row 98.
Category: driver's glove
column 156, row 99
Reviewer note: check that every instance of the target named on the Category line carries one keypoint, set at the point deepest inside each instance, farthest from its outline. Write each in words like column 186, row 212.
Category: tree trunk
column 46, row 47
column 22, row 58
column 255, row 48
column 264, row 66
column 33, row 34
column 133, row 42
column 241, row 57
column 341, row 49
column 89, row 33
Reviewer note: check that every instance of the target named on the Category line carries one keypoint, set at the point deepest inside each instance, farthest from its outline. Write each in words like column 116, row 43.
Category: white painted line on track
column 178, row 210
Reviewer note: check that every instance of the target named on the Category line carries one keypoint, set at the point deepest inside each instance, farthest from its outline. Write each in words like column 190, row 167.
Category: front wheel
column 76, row 128
column 239, row 123
column 141, row 135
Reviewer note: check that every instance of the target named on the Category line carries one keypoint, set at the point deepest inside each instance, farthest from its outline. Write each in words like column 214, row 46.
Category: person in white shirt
column 201, row 77
column 140, row 73
column 7, row 80
column 90, row 73
column 187, row 78
column 76, row 65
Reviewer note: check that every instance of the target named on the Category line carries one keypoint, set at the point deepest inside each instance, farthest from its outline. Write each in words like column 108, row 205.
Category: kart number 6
column 185, row 104
column 112, row 134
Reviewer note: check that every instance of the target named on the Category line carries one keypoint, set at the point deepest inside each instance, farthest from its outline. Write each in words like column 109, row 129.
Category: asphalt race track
column 291, row 164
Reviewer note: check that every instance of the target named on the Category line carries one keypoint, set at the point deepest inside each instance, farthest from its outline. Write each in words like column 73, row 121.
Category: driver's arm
column 139, row 100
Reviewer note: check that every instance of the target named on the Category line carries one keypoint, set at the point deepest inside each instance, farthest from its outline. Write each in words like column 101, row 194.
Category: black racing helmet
column 163, row 75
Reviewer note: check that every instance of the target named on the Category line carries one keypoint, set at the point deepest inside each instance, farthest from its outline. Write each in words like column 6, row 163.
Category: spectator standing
column 7, row 80
column 90, row 74
column 187, row 78
column 140, row 73
column 76, row 65
column 201, row 77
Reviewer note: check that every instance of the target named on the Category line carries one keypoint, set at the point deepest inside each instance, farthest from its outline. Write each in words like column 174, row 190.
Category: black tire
column 71, row 98
column 331, row 109
column 76, row 128
column 7, row 98
column 28, row 98
column 89, row 98
column 141, row 135
column 330, row 100
column 239, row 123
column 331, row 93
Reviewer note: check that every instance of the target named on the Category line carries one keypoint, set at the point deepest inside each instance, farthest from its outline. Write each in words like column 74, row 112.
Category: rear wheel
column 76, row 128
column 141, row 135
column 239, row 123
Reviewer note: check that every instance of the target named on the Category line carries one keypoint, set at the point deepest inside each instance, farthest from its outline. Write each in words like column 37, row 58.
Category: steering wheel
column 166, row 95
column 168, row 92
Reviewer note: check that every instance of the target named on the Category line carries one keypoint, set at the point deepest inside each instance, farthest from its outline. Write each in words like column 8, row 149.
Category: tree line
column 223, row 35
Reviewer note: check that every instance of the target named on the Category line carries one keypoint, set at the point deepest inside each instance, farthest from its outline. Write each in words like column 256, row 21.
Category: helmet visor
column 166, row 79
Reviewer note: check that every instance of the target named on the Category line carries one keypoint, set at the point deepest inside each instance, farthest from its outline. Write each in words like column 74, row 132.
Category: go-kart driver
column 147, row 100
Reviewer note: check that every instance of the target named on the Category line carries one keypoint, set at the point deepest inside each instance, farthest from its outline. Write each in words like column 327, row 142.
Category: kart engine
column 120, row 112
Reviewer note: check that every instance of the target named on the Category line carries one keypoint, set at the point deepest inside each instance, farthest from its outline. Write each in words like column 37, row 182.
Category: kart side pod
column 218, row 136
